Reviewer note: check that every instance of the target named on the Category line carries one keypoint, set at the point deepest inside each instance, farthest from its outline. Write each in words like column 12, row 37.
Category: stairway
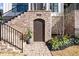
column 12, row 31
column 18, row 22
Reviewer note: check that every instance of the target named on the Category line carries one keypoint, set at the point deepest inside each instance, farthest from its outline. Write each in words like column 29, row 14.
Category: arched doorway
column 39, row 30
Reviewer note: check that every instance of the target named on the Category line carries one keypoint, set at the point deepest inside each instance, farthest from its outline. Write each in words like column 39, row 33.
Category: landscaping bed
column 64, row 46
column 60, row 43
column 70, row 51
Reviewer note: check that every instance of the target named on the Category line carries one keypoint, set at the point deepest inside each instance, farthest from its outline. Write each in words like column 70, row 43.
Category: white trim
column 7, row 7
column 29, row 6
column 47, row 6
column 61, row 8
column 54, row 14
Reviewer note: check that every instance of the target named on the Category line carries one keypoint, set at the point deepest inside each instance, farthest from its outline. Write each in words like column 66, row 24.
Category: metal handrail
column 13, row 28
column 11, row 14
column 8, row 11
column 10, row 35
column 6, row 20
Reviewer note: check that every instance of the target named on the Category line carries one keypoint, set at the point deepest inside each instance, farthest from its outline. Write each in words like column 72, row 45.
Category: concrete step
column 18, row 23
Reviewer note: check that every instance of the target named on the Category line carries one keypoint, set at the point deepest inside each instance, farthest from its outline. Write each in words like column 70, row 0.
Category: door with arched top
column 39, row 30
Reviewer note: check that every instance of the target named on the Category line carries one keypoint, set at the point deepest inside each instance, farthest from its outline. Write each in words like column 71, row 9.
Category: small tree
column 28, row 36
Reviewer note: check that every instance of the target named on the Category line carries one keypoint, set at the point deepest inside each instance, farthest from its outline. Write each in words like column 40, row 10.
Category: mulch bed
column 70, row 51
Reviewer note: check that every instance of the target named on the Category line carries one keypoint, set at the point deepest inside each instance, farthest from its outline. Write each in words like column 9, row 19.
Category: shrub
column 66, row 41
column 53, row 43
column 27, row 35
column 76, row 41
column 59, row 43
column 56, row 43
column 71, row 41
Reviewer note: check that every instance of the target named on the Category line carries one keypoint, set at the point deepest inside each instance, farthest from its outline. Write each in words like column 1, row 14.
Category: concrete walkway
column 36, row 49
column 33, row 49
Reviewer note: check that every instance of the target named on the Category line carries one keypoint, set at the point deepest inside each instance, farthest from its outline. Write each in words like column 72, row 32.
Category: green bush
column 29, row 34
column 54, row 43
column 59, row 43
column 66, row 41
column 76, row 41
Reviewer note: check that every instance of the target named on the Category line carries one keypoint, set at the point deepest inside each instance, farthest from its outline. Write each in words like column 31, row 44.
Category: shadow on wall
column 57, row 28
column 69, row 23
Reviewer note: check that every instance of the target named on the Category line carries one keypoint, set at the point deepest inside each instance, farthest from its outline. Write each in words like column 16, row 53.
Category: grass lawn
column 70, row 51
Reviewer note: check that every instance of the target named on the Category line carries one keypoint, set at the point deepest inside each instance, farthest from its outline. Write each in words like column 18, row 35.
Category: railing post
column 0, row 30
column 22, row 43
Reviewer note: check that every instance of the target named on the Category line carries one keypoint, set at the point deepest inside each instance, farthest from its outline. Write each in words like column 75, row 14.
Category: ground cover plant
column 57, row 43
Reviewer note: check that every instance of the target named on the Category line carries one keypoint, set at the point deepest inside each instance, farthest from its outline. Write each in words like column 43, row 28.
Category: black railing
column 9, row 34
column 7, row 16
column 12, row 36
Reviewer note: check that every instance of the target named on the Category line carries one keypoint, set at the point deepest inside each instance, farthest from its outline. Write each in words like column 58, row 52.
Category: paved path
column 36, row 49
